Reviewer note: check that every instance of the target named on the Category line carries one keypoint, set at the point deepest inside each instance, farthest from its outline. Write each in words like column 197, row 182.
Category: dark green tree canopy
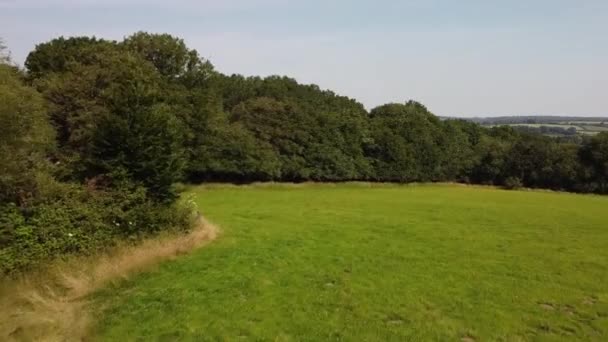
column 169, row 55
column 273, row 128
column 594, row 155
column 60, row 54
column 25, row 136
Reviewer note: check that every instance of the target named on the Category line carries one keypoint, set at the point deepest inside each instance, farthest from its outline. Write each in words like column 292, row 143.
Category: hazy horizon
column 467, row 59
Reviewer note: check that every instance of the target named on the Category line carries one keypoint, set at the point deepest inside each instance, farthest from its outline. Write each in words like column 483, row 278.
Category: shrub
column 513, row 183
column 70, row 219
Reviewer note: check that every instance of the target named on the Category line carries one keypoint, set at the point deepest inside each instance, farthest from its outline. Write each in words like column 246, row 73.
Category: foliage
column 109, row 137
column 61, row 54
column 115, row 124
column 170, row 56
column 69, row 219
column 245, row 129
column 513, row 183
column 103, row 94
column 594, row 155
column 25, row 137
column 144, row 145
column 231, row 153
column 406, row 143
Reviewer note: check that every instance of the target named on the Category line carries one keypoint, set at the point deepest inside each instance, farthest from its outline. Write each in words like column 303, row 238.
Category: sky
column 459, row 58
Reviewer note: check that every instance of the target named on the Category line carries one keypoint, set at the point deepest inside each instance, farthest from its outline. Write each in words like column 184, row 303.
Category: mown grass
column 377, row 263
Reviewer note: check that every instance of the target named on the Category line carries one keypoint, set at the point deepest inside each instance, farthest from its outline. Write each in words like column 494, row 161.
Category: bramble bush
column 70, row 219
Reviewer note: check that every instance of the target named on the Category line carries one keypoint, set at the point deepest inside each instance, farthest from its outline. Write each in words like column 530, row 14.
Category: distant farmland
column 550, row 125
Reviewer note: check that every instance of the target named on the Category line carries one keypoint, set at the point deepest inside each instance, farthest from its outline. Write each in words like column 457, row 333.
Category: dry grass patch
column 52, row 305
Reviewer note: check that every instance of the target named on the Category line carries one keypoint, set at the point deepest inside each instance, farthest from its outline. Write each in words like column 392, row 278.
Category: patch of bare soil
column 52, row 306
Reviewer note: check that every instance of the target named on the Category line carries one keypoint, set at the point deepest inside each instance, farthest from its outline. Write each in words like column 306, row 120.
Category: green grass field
column 377, row 263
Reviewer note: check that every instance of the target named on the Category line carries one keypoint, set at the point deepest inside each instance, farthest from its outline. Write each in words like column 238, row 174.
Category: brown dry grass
column 52, row 305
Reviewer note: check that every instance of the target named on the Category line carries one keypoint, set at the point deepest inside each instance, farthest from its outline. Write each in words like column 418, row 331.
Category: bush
column 513, row 183
column 70, row 219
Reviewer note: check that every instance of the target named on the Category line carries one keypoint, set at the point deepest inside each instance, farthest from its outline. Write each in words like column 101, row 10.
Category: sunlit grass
column 377, row 263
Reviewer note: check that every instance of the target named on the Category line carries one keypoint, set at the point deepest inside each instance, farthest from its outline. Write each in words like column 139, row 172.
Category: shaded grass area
column 378, row 263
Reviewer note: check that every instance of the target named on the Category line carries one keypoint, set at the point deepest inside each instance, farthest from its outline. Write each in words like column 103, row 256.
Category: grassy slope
column 324, row 262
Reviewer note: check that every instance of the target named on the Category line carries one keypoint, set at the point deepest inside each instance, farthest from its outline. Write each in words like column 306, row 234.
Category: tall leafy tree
column 61, row 54
column 170, row 56
column 594, row 155
column 115, row 114
column 138, row 135
column 281, row 125
column 143, row 144
column 490, row 157
column 26, row 137
column 405, row 142
column 457, row 142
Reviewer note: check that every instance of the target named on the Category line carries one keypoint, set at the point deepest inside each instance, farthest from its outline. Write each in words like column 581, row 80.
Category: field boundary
column 367, row 184
column 53, row 305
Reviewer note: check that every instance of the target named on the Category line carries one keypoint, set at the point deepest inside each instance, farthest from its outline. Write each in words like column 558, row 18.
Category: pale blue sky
column 463, row 58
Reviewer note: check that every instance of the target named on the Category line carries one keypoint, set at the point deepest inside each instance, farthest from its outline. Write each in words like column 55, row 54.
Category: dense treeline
column 96, row 133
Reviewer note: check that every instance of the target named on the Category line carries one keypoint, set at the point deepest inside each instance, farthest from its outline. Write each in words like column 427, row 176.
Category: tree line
column 96, row 133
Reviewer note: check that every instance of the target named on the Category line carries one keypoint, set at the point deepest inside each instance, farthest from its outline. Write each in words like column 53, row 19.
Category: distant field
column 581, row 127
column 566, row 126
column 355, row 262
column 583, row 122
column 595, row 128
